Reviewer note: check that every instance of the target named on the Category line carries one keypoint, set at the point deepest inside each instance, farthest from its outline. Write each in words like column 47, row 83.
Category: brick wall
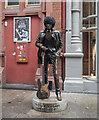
column 55, row 11
column 57, row 8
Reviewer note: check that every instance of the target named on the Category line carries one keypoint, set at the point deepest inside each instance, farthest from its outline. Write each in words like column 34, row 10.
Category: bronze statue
column 50, row 42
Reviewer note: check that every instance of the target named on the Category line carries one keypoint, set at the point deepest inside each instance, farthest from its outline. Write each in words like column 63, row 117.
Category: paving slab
column 18, row 104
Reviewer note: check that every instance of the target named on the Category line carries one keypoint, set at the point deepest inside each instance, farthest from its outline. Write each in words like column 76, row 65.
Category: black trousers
column 48, row 58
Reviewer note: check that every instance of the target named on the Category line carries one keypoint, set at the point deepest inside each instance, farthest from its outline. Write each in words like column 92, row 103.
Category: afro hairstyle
column 49, row 20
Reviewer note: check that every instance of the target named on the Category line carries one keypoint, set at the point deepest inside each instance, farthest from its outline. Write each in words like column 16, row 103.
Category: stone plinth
column 49, row 105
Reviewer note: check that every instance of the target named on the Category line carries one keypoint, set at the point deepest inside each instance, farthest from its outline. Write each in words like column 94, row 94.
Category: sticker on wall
column 18, row 47
column 24, row 56
column 21, row 47
column 22, row 29
column 20, row 59
column 19, row 55
column 14, row 53
column 20, row 52
column 24, row 46
column 24, row 59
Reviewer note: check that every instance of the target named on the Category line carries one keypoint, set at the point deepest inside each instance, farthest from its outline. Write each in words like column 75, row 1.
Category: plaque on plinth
column 49, row 105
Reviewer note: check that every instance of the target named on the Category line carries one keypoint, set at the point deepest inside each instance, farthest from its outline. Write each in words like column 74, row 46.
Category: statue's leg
column 55, row 62
column 46, row 69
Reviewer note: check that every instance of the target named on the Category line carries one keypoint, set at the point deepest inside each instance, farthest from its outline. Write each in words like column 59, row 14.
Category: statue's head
column 49, row 22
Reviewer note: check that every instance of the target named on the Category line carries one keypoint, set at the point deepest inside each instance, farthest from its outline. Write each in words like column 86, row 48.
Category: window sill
column 91, row 78
column 32, row 6
column 12, row 6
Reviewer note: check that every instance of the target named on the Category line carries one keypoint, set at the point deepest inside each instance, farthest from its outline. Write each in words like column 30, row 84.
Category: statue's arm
column 38, row 43
column 40, row 39
column 60, row 43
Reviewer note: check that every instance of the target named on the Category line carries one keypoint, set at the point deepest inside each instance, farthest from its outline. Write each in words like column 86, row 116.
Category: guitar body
column 43, row 92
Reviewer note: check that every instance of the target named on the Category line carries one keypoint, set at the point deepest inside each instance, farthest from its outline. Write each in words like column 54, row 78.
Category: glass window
column 11, row 3
column 32, row 2
column 15, row 2
column 85, row 9
column 89, row 50
column 89, row 39
column 89, row 8
column 92, row 6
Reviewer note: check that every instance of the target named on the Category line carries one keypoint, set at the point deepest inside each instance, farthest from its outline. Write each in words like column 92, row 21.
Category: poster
column 22, row 29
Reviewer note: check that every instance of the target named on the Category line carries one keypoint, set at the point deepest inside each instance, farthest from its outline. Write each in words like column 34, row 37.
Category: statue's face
column 48, row 26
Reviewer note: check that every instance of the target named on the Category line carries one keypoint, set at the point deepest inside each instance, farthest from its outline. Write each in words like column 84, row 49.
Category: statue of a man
column 50, row 41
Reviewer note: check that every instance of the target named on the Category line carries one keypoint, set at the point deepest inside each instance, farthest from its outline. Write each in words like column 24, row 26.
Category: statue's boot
column 58, row 93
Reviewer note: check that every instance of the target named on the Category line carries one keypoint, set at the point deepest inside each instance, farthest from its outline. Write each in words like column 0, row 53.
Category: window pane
column 85, row 9
column 93, row 53
column 85, row 24
column 89, row 39
column 15, row 2
column 92, row 22
column 92, row 8
column 85, row 51
column 89, row 50
column 89, row 8
column 33, row 1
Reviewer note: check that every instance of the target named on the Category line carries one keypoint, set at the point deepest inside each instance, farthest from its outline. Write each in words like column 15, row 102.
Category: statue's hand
column 43, row 47
column 56, row 54
column 16, row 30
column 62, row 54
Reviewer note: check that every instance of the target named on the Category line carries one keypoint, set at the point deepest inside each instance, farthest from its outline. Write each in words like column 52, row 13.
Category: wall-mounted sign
column 22, row 29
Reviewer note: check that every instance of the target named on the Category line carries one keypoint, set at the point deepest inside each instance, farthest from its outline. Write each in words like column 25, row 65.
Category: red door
column 21, row 73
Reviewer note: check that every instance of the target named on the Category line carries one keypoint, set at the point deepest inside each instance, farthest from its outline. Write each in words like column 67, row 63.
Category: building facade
column 78, row 24
column 21, row 24
column 81, row 57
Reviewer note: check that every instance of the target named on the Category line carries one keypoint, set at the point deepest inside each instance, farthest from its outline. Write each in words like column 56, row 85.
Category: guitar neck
column 43, row 76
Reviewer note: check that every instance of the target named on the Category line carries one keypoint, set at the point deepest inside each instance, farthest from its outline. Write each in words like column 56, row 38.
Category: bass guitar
column 43, row 92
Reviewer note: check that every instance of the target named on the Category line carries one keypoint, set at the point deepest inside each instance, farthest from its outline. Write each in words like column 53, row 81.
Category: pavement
column 18, row 104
